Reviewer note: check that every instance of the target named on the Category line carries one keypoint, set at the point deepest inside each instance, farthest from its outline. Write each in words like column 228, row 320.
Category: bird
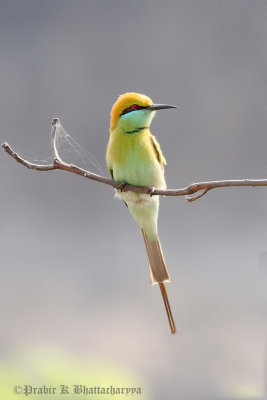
column 134, row 157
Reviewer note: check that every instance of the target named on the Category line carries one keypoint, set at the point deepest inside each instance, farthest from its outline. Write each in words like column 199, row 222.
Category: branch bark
column 190, row 192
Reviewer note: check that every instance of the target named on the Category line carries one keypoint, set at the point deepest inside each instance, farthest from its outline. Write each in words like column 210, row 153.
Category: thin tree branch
column 188, row 191
column 55, row 125
column 194, row 198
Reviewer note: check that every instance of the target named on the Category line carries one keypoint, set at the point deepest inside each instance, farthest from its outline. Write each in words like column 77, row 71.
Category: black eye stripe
column 133, row 107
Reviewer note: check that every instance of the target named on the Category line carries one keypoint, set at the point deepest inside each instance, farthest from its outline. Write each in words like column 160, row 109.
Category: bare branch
column 194, row 198
column 188, row 191
column 26, row 163
column 55, row 126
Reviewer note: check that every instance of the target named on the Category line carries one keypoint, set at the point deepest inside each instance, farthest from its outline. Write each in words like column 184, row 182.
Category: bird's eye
column 133, row 107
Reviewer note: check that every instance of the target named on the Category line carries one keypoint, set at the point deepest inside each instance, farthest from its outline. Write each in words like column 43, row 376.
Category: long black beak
column 155, row 107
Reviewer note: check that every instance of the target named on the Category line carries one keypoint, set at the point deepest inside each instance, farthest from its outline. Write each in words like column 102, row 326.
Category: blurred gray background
column 74, row 275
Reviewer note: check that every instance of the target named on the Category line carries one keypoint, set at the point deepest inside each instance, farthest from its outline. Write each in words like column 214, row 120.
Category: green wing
column 158, row 153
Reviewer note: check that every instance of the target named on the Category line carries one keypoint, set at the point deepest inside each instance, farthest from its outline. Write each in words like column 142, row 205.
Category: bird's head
column 133, row 111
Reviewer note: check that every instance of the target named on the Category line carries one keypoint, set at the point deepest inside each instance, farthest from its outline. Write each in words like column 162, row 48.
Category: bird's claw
column 151, row 190
column 122, row 186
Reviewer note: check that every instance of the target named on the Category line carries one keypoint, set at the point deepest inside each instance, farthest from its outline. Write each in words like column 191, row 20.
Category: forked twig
column 188, row 191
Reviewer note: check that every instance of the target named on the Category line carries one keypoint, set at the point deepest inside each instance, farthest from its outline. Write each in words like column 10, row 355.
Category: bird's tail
column 159, row 273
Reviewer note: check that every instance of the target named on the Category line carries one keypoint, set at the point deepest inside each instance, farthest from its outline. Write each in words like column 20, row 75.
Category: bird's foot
column 151, row 190
column 122, row 186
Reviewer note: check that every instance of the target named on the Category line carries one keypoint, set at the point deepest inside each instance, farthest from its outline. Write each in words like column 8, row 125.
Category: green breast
column 133, row 160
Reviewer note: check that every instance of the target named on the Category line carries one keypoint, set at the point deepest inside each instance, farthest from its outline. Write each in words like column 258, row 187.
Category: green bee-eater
column 134, row 157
